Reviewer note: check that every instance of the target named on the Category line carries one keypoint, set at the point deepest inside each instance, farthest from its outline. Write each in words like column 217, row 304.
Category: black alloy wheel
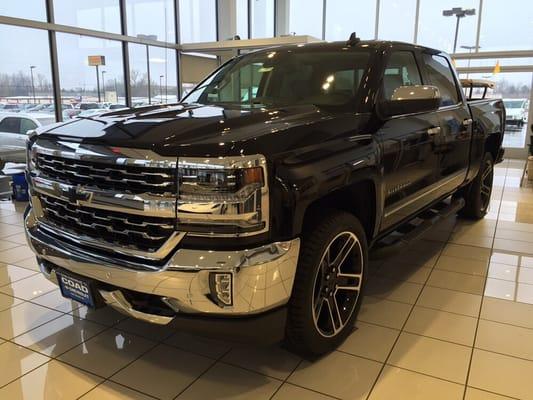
column 487, row 177
column 477, row 193
column 329, row 283
column 337, row 284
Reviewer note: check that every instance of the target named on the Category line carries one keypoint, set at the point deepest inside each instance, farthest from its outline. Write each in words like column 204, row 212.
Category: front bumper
column 262, row 277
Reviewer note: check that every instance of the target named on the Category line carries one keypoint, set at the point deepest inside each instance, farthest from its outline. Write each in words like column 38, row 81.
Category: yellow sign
column 497, row 68
column 96, row 60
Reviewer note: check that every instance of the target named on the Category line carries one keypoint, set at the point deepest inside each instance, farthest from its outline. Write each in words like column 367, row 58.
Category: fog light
column 221, row 286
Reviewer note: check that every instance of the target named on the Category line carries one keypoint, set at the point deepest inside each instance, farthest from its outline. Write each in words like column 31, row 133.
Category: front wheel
column 478, row 192
column 329, row 284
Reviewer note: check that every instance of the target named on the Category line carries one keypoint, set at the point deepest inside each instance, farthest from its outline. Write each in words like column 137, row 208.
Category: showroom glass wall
column 136, row 45
column 140, row 41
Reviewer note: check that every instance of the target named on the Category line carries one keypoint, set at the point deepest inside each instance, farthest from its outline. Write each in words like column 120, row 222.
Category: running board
column 419, row 225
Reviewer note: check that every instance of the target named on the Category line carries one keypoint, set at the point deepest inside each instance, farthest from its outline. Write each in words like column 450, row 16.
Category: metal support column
column 480, row 15
column 125, row 55
column 417, row 15
column 249, row 19
column 324, row 5
column 178, row 52
column 376, row 25
column 54, row 65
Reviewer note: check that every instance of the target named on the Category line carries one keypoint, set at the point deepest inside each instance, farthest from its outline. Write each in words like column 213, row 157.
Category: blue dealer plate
column 75, row 289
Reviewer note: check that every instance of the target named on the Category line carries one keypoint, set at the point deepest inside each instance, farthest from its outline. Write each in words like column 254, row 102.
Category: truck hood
column 200, row 130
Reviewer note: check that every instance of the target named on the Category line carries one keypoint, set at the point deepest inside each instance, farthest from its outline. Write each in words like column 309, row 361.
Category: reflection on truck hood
column 197, row 130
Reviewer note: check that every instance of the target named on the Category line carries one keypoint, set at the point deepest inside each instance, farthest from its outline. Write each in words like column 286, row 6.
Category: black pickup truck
column 254, row 202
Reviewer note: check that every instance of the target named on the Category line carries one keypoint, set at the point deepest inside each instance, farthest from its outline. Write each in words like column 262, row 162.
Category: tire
column 311, row 329
column 477, row 193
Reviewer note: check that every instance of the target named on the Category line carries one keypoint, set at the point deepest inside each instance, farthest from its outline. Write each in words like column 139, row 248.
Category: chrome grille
column 137, row 232
column 108, row 176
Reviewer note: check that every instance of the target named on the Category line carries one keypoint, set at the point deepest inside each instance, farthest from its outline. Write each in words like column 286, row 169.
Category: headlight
column 225, row 196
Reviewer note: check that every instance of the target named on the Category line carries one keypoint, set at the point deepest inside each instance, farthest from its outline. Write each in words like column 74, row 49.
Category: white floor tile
column 340, row 375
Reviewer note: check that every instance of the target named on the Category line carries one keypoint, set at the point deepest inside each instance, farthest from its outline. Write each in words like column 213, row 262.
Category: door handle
column 433, row 131
column 467, row 122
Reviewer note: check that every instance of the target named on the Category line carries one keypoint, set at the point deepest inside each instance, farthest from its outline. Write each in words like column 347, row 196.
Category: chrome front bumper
column 262, row 277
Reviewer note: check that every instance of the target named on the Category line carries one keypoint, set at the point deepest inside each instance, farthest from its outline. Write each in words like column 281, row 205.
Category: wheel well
column 358, row 199
column 492, row 145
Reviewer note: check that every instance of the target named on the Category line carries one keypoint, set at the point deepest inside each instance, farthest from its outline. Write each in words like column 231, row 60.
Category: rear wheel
column 328, row 286
column 477, row 193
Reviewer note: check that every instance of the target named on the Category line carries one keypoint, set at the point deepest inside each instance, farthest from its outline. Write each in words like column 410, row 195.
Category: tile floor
column 448, row 317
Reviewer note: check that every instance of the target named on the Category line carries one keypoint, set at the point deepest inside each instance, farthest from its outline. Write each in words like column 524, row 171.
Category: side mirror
column 410, row 100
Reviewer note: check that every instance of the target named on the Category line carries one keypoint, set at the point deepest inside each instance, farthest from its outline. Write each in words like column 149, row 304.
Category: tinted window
column 10, row 124
column 441, row 76
column 285, row 78
column 401, row 70
column 26, row 125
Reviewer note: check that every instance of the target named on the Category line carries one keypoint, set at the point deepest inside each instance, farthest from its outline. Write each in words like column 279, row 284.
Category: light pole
column 98, row 84
column 32, row 84
column 161, row 87
column 469, row 48
column 459, row 12
column 103, row 82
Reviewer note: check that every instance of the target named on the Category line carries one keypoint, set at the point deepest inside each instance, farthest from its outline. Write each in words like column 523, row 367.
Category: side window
column 26, row 125
column 10, row 125
column 441, row 75
column 401, row 70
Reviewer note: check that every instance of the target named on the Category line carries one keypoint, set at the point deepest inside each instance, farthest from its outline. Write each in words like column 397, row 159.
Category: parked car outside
column 80, row 107
column 117, row 107
column 516, row 111
column 13, row 133
column 11, row 108
column 38, row 107
column 91, row 113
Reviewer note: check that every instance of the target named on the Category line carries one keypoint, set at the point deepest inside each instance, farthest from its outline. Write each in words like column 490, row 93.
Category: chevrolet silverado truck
column 252, row 204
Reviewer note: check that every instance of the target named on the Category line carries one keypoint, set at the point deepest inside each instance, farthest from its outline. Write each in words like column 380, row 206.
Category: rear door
column 408, row 141
column 452, row 145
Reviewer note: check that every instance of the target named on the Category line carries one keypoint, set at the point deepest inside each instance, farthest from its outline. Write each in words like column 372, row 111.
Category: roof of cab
column 372, row 44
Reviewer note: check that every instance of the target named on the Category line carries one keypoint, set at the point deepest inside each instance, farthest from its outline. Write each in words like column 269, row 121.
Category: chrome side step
column 417, row 227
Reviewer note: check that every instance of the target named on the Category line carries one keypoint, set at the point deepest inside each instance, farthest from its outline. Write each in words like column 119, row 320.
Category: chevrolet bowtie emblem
column 74, row 195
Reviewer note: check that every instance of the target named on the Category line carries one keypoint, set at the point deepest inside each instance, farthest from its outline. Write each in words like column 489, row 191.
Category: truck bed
column 489, row 115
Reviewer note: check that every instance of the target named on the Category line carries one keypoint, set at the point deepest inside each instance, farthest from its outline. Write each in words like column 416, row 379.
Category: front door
column 408, row 146
column 453, row 144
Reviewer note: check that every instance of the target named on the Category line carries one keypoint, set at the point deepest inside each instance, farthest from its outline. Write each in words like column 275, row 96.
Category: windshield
column 513, row 103
column 287, row 77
